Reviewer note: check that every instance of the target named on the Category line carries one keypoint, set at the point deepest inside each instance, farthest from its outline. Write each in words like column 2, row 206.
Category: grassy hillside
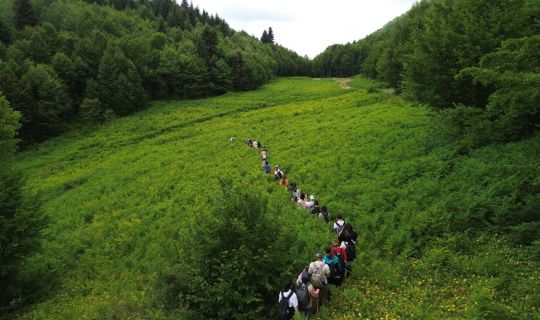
column 123, row 201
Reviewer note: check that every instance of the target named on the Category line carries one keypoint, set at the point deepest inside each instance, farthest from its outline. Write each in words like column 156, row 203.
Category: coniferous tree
column 76, row 58
column 44, row 102
column 264, row 37
column 9, row 119
column 270, row 36
column 118, row 85
column 20, row 222
column 207, row 44
column 5, row 36
column 25, row 15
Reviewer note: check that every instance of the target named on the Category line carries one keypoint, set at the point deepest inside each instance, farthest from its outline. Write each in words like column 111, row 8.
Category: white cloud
column 308, row 26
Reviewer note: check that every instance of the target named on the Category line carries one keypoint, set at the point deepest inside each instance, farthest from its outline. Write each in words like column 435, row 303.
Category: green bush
column 232, row 263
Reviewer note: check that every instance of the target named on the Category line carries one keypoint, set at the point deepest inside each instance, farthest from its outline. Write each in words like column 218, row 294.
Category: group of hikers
column 311, row 288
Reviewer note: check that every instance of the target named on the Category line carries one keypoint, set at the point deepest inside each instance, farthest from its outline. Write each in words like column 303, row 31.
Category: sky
column 307, row 26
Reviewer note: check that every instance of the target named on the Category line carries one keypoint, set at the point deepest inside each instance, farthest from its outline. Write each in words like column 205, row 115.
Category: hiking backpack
column 350, row 250
column 326, row 217
column 336, row 272
column 284, row 311
column 302, row 294
column 317, row 278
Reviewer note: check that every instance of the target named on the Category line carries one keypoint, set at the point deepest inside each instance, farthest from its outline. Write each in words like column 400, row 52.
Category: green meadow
column 135, row 206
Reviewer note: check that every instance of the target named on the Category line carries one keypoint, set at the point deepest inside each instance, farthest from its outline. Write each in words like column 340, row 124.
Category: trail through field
column 344, row 83
column 347, row 241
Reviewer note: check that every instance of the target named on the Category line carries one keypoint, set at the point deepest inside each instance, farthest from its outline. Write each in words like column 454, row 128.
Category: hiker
column 287, row 302
column 307, row 294
column 266, row 167
column 325, row 215
column 280, row 177
column 278, row 174
column 347, row 234
column 337, row 249
column 338, row 225
column 255, row 144
column 310, row 203
column 347, row 237
column 297, row 192
column 299, row 278
column 264, row 153
column 337, row 267
column 301, row 200
column 316, row 208
column 284, row 181
column 320, row 272
column 292, row 189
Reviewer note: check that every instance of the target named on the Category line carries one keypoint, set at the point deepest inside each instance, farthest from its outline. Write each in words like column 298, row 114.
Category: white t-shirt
column 338, row 224
column 293, row 301
column 309, row 204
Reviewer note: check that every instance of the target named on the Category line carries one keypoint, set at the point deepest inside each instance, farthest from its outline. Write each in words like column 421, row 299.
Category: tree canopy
column 64, row 60
column 447, row 53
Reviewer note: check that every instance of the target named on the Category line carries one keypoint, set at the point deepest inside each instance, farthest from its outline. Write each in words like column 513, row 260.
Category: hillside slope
column 128, row 203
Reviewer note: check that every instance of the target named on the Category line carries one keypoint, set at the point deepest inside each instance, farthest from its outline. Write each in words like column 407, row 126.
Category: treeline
column 65, row 60
column 476, row 59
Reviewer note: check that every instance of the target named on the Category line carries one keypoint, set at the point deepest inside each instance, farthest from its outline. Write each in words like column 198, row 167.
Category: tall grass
column 438, row 229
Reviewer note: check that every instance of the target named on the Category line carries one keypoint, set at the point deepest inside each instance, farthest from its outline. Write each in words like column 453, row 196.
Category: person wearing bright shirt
column 338, row 249
column 310, row 203
column 338, row 225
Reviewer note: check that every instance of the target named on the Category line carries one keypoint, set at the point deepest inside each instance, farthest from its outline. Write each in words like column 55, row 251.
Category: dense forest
column 64, row 60
column 476, row 59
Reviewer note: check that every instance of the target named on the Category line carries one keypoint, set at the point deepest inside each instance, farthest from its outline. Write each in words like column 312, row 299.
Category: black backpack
column 350, row 250
column 284, row 311
column 302, row 293
column 326, row 217
column 336, row 273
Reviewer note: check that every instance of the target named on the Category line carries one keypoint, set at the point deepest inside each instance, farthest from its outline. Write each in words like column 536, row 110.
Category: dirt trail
column 343, row 82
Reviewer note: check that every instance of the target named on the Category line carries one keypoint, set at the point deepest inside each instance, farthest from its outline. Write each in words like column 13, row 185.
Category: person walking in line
column 266, row 167
column 316, row 208
column 320, row 272
column 264, row 153
column 307, row 294
column 287, row 302
column 338, row 225
column 301, row 201
column 310, row 203
column 325, row 215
